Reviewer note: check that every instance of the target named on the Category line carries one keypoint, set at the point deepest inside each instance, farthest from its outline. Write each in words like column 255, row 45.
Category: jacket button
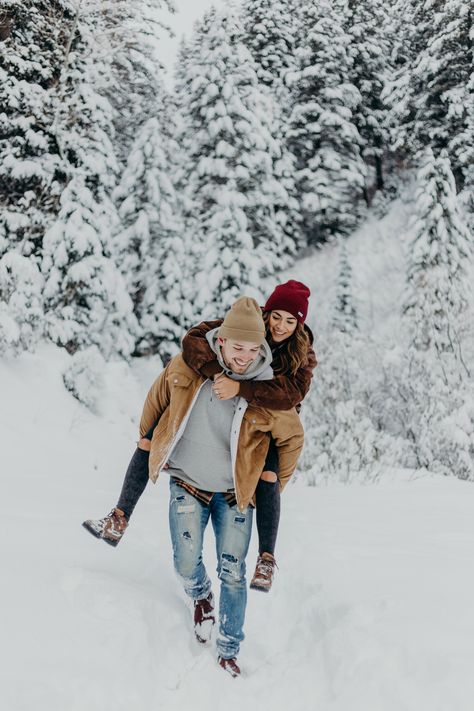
column 175, row 380
column 253, row 422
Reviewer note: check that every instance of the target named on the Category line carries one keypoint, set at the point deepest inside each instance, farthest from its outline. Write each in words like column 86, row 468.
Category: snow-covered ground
column 371, row 610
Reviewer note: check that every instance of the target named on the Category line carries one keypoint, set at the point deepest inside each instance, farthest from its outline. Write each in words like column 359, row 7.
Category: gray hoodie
column 202, row 457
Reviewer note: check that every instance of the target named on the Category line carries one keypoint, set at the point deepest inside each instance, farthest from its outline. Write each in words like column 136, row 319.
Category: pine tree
column 152, row 239
column 131, row 41
column 230, row 152
column 345, row 316
column 440, row 81
column 440, row 254
column 270, row 34
column 34, row 36
column 322, row 134
column 432, row 93
column 85, row 299
column 31, row 174
column 370, row 45
column 396, row 92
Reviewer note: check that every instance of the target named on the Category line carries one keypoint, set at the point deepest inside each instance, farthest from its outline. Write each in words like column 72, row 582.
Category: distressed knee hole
column 269, row 476
column 229, row 558
column 230, row 567
column 187, row 536
column 144, row 444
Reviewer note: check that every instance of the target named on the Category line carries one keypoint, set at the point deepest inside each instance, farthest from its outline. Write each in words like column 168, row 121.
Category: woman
column 293, row 362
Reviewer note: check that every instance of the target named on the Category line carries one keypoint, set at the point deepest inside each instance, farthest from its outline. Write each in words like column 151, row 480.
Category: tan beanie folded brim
column 239, row 334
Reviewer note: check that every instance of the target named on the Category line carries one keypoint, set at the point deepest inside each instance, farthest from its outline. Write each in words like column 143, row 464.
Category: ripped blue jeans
column 188, row 520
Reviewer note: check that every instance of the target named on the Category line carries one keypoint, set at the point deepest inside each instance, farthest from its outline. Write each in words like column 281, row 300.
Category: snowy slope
column 377, row 256
column 371, row 610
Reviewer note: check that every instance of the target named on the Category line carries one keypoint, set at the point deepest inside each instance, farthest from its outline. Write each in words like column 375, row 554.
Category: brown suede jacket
column 283, row 392
column 168, row 404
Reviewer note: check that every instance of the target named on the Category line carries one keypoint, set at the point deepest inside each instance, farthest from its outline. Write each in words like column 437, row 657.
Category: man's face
column 238, row 355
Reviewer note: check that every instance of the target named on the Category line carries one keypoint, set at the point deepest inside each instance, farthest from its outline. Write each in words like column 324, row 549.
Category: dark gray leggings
column 267, row 494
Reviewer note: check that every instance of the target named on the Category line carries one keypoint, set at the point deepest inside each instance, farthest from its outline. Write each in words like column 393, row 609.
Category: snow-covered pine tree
column 32, row 177
column 441, row 251
column 396, row 92
column 153, row 240
column 330, row 172
column 132, row 33
column 370, row 45
column 440, row 81
column 437, row 378
column 30, row 172
column 85, row 298
column 432, row 93
column 230, row 152
column 345, row 315
column 270, row 35
column 269, row 32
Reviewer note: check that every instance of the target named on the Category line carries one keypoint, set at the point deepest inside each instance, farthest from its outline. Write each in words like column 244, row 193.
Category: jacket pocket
column 179, row 380
column 257, row 419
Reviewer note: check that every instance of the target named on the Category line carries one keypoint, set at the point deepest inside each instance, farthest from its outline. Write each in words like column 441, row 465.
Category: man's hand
column 225, row 388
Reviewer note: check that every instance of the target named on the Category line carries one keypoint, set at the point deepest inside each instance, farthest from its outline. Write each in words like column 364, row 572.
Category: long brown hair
column 292, row 352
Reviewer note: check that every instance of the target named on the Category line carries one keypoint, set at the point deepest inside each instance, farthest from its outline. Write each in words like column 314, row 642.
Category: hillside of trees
column 132, row 207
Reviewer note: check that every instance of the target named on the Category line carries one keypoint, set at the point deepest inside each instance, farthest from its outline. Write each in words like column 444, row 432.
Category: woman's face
column 281, row 324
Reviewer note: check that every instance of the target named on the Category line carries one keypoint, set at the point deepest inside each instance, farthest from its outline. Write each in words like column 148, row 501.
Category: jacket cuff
column 245, row 390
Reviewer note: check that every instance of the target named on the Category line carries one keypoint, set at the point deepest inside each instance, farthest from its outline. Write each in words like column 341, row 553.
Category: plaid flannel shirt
column 205, row 497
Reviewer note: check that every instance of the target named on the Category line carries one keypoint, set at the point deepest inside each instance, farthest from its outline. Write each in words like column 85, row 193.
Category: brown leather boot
column 204, row 619
column 110, row 528
column 264, row 571
column 229, row 665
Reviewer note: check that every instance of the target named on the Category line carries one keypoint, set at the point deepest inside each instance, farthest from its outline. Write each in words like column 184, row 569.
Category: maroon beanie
column 292, row 297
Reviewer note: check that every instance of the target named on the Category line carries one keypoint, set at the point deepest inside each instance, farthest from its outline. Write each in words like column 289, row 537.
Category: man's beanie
column 244, row 322
column 292, row 297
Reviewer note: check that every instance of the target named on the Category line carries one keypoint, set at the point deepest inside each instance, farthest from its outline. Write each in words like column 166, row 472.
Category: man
column 214, row 451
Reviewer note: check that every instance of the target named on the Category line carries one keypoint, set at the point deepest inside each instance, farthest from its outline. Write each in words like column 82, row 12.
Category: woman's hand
column 225, row 388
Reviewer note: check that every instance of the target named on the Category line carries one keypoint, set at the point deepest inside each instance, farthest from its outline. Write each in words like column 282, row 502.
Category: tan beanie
column 244, row 322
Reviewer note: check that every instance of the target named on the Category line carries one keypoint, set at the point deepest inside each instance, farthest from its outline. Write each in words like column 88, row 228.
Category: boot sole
column 260, row 588
column 92, row 531
column 110, row 541
column 96, row 534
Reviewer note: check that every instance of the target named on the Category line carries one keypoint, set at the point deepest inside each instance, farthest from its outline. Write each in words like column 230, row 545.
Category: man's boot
column 229, row 665
column 264, row 571
column 204, row 619
column 110, row 528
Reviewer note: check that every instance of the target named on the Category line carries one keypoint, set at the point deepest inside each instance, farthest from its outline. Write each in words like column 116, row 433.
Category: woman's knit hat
column 243, row 322
column 292, row 297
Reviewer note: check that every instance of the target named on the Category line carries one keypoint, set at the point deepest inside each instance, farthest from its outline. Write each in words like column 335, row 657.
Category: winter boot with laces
column 264, row 571
column 229, row 665
column 204, row 619
column 110, row 528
